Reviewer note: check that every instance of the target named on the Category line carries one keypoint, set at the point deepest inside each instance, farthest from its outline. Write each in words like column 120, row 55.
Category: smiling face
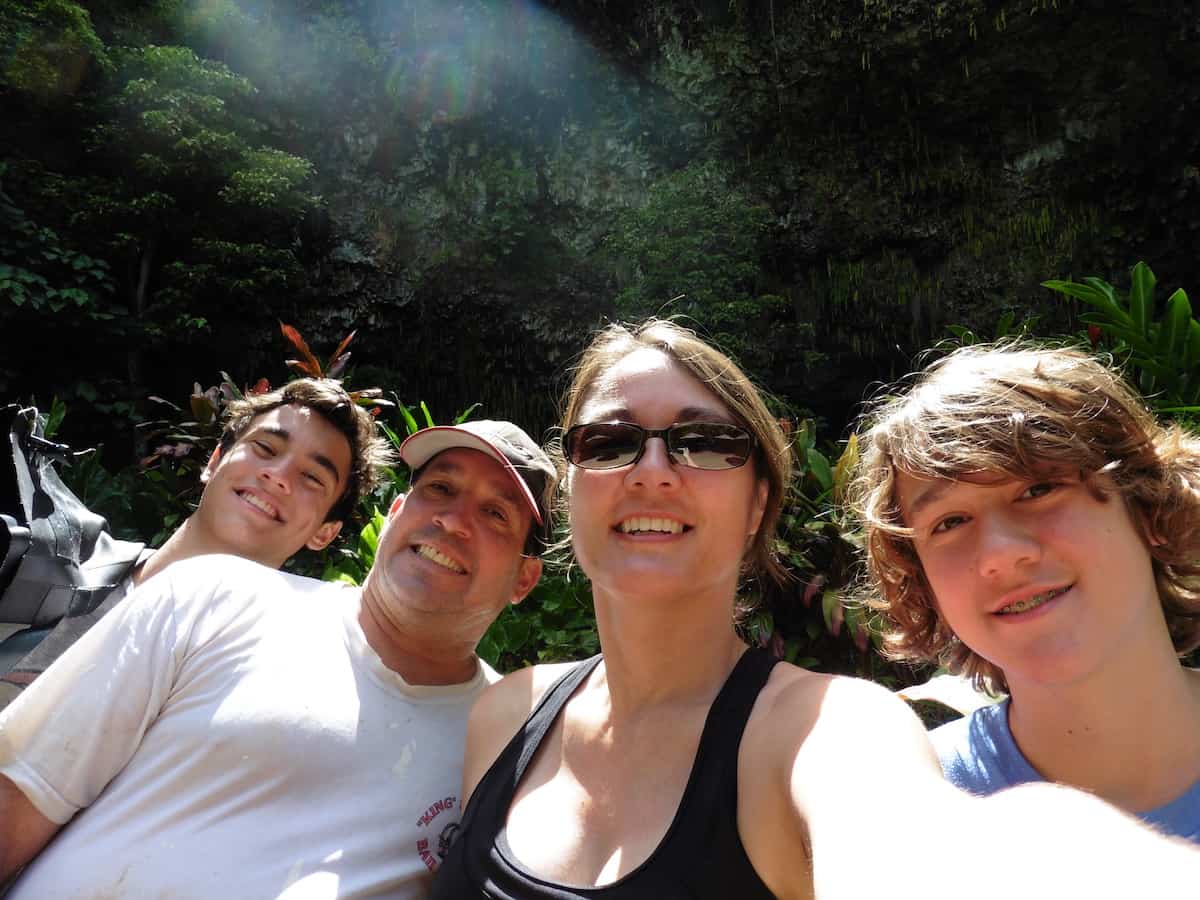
column 1043, row 578
column 654, row 527
column 268, row 494
column 449, row 559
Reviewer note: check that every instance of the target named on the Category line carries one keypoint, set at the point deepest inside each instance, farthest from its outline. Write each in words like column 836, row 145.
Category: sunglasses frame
column 665, row 434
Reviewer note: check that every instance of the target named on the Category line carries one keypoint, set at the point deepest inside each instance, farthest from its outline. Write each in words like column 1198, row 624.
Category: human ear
column 211, row 466
column 759, row 507
column 396, row 506
column 1151, row 534
column 527, row 577
column 324, row 535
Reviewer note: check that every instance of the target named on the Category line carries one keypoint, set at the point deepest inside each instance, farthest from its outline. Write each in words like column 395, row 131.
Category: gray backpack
column 58, row 561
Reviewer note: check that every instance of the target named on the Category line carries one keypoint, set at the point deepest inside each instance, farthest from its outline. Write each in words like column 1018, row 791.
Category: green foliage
column 47, row 47
column 351, row 564
column 813, row 622
column 174, row 215
column 555, row 623
column 1160, row 344
column 40, row 271
column 1007, row 328
column 697, row 239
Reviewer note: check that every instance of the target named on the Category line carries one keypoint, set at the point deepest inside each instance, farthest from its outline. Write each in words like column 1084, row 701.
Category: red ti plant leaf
column 338, row 359
column 308, row 363
column 337, row 366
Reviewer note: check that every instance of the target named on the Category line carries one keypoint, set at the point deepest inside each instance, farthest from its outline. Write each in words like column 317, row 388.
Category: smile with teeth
column 435, row 556
column 650, row 525
column 260, row 504
column 1032, row 602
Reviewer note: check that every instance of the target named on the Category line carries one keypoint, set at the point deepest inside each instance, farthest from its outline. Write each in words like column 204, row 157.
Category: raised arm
column 23, row 830
column 880, row 821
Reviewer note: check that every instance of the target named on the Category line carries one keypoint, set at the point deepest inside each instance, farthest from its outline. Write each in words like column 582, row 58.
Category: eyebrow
column 503, row 488
column 685, row 414
column 927, row 497
column 319, row 458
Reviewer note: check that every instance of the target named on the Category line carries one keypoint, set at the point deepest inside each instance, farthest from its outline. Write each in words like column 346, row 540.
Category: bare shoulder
column 513, row 697
column 818, row 719
column 815, row 749
column 499, row 712
column 812, row 698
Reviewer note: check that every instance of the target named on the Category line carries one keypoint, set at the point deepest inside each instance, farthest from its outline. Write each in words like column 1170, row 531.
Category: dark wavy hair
column 326, row 397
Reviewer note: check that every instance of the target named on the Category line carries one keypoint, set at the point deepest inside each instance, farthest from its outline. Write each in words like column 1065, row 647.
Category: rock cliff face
column 823, row 185
column 911, row 165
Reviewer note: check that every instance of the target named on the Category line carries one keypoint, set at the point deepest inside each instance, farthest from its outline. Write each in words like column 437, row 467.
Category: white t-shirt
column 228, row 732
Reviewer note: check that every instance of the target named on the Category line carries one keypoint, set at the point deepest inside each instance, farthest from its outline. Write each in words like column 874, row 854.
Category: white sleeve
column 72, row 731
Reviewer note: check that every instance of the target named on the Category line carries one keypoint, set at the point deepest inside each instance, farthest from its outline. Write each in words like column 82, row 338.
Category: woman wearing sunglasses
column 680, row 763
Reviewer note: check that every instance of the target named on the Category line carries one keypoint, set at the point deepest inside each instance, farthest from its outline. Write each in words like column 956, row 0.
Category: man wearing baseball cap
column 237, row 731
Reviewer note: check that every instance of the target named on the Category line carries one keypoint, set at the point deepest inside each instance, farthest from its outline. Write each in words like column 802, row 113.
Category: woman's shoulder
column 796, row 705
column 517, row 693
column 500, row 712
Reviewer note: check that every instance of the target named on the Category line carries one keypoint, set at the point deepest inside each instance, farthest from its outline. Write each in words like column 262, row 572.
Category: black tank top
column 701, row 855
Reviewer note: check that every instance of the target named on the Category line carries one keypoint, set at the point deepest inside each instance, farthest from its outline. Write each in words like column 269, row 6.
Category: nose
column 277, row 473
column 1005, row 543
column 453, row 518
column 654, row 467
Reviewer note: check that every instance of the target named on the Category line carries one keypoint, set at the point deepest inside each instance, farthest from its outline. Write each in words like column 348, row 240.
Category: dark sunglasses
column 698, row 445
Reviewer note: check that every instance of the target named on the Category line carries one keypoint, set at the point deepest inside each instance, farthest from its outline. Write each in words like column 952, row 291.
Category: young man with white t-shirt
column 236, row 731
column 290, row 468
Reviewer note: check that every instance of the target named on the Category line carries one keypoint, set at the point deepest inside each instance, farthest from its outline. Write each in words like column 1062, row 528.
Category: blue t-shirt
column 979, row 755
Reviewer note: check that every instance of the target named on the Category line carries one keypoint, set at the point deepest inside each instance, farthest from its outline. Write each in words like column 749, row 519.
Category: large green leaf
column 1173, row 333
column 1101, row 300
column 1141, row 296
column 819, row 468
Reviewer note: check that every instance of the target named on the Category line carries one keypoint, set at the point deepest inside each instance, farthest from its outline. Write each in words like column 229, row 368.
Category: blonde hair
column 772, row 455
column 1019, row 410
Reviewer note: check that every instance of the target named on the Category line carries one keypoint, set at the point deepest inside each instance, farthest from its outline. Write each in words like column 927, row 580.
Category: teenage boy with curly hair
column 1030, row 524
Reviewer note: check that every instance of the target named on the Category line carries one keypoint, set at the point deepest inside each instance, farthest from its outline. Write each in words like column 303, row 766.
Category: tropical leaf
column 339, row 355
column 1141, row 296
column 844, row 469
column 308, row 363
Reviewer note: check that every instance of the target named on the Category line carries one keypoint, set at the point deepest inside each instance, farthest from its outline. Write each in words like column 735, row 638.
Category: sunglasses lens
column 710, row 445
column 603, row 445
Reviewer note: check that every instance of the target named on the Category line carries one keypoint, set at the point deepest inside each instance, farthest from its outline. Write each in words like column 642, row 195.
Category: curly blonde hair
column 1019, row 410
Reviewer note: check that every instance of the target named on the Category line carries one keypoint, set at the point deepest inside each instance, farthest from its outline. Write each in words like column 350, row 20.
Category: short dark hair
column 326, row 397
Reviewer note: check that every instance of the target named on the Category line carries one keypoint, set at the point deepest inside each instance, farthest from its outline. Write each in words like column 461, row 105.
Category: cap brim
column 423, row 446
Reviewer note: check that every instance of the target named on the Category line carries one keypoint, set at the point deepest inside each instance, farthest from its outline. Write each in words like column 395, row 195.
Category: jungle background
column 825, row 188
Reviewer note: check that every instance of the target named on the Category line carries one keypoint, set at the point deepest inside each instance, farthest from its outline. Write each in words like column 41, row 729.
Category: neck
column 665, row 651
column 1129, row 733
column 422, row 660
column 189, row 540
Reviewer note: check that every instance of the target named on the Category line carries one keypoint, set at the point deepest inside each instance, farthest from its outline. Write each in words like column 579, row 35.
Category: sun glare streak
column 435, row 61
